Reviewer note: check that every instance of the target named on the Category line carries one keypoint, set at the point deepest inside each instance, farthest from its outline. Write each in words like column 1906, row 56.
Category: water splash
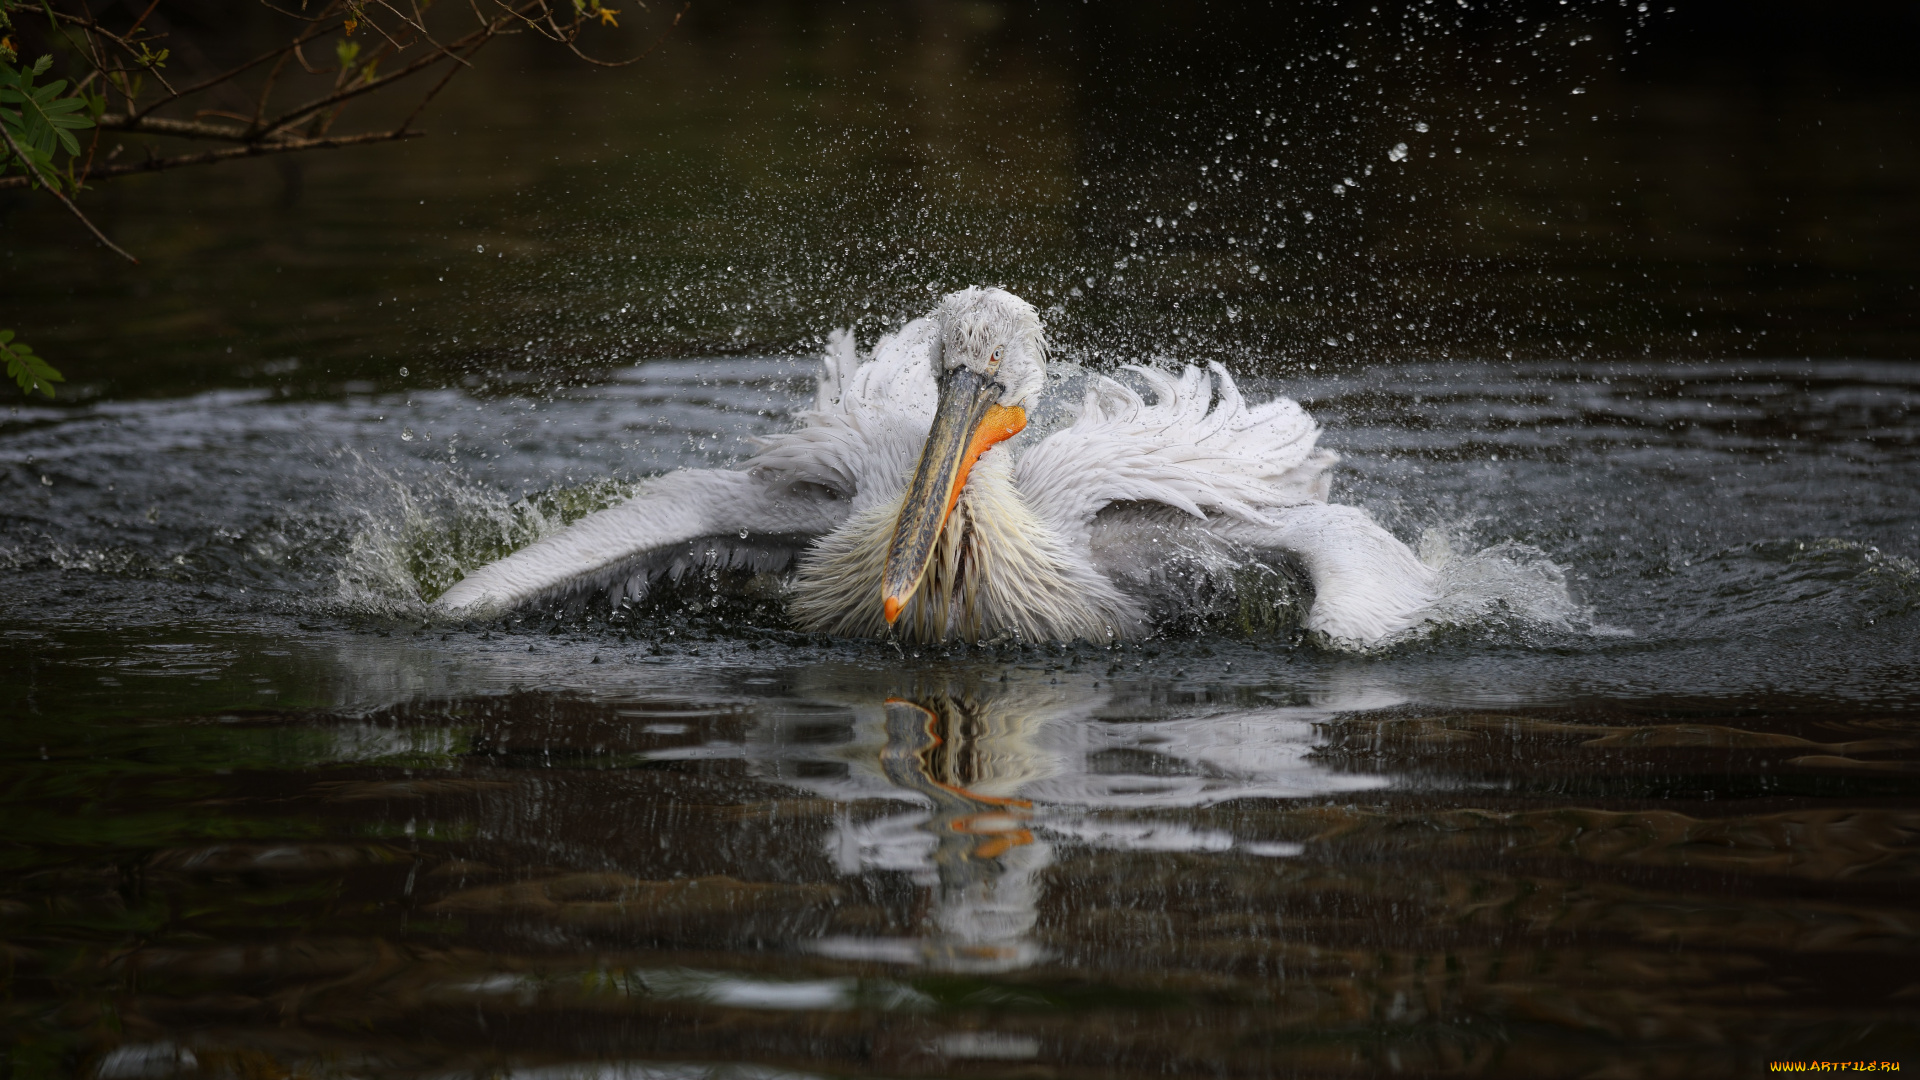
column 1508, row 585
column 418, row 535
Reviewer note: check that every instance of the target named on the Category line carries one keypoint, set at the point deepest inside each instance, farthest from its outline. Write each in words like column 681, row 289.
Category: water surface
column 1633, row 364
column 265, row 813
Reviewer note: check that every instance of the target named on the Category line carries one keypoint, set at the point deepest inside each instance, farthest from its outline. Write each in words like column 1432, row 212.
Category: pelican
column 906, row 503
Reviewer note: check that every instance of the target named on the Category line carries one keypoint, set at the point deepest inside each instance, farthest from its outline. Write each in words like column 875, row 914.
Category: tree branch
column 57, row 193
column 210, row 157
column 301, row 112
column 657, row 42
column 160, row 125
column 302, row 127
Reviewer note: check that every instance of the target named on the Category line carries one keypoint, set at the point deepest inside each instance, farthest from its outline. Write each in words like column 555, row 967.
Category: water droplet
column 1579, row 89
column 1421, row 127
column 1398, row 153
column 406, row 434
column 403, row 373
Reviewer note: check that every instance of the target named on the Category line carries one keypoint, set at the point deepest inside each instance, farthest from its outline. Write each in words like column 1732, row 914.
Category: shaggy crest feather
column 974, row 322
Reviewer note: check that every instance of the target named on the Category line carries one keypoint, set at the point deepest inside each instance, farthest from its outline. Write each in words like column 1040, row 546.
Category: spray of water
column 418, row 535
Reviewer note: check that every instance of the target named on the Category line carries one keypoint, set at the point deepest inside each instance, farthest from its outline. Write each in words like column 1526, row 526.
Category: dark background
column 1731, row 180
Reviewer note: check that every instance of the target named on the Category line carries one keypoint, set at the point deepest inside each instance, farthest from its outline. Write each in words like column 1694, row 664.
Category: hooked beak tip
column 893, row 604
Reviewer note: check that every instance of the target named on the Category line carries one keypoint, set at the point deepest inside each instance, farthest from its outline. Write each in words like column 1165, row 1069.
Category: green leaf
column 44, row 121
column 23, row 367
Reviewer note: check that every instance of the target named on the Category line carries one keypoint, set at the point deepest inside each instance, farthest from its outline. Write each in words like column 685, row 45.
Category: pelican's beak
column 968, row 421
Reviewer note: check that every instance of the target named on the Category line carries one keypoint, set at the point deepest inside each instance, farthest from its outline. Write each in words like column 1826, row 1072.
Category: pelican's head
column 991, row 356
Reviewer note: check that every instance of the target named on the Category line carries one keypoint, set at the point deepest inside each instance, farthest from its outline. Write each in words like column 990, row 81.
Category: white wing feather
column 686, row 519
column 863, row 435
column 1183, row 450
column 855, row 447
column 1251, row 475
column 1367, row 585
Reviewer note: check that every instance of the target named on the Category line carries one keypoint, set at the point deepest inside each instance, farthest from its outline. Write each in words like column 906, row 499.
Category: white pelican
column 902, row 506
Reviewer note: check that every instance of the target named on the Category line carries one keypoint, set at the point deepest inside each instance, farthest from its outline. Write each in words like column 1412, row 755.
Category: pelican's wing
column 862, row 436
column 856, row 446
column 687, row 520
column 1367, row 585
column 1252, row 475
column 1184, row 450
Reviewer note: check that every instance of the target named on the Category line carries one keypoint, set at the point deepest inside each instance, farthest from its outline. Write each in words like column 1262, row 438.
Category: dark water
column 1644, row 803
column 262, row 812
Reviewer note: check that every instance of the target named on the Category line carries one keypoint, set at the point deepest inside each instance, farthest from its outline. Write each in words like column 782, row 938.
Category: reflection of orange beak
column 969, row 420
column 933, row 738
column 1002, row 831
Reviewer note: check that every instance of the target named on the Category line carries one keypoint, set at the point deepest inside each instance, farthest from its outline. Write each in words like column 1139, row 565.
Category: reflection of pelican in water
column 1002, row 773
column 901, row 509
column 984, row 848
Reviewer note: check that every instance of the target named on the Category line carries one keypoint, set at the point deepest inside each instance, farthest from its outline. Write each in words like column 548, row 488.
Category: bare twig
column 93, row 26
column 420, row 23
column 444, row 80
column 232, row 73
column 57, row 193
column 209, row 157
column 266, row 91
column 139, row 22
column 277, row 10
column 301, row 112
column 160, row 125
column 657, row 42
column 402, row 16
column 378, row 29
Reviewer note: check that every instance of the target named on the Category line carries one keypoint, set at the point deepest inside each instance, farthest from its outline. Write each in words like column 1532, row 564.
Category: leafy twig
column 59, row 124
column 23, row 367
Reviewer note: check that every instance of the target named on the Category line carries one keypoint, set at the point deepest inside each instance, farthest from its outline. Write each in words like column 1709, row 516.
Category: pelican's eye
column 993, row 361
